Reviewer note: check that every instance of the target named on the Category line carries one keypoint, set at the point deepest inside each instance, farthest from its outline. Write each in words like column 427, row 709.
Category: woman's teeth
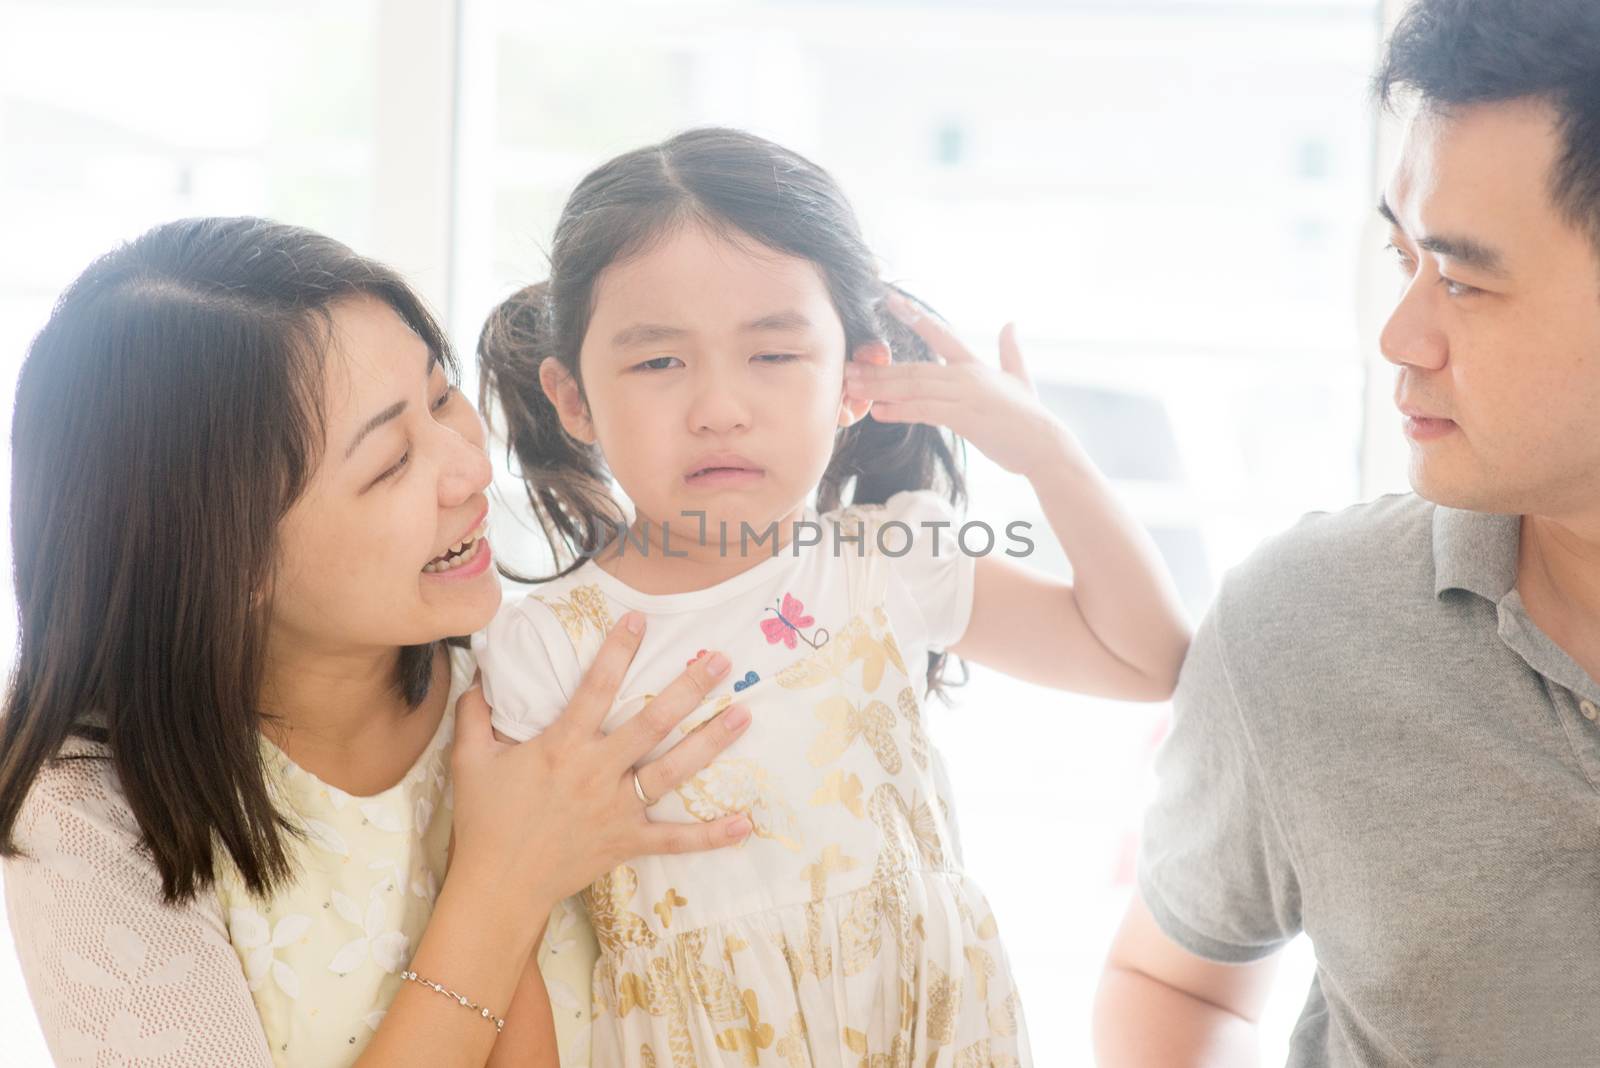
column 459, row 553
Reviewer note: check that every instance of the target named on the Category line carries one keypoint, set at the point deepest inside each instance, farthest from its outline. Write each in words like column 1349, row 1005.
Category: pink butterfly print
column 786, row 627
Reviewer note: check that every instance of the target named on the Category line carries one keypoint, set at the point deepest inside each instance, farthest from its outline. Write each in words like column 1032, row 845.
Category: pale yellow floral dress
column 844, row 932
column 118, row 976
column 323, row 957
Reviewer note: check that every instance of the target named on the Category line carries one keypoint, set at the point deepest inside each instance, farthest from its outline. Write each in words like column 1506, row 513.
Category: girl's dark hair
column 742, row 187
column 167, row 416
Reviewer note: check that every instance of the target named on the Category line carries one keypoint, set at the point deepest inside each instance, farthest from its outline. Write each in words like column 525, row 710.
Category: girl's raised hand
column 995, row 408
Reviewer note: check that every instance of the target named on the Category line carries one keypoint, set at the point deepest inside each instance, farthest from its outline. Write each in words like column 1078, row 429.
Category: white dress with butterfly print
column 843, row 931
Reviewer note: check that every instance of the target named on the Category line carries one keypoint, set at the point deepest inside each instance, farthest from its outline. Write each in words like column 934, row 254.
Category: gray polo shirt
column 1373, row 744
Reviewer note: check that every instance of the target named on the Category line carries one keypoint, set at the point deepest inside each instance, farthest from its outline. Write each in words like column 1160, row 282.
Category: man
column 1388, row 732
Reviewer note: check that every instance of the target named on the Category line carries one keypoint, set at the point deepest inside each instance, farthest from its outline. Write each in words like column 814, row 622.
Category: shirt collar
column 1475, row 551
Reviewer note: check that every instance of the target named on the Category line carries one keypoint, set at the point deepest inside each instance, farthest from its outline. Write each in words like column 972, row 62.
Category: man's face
column 1497, row 331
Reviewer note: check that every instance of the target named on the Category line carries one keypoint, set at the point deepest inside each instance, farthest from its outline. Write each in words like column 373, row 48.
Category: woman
column 247, row 512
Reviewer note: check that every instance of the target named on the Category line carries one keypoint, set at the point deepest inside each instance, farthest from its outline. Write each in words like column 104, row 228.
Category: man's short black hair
column 1454, row 53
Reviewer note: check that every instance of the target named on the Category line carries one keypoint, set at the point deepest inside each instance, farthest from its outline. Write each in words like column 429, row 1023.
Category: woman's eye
column 399, row 466
column 444, row 398
column 660, row 363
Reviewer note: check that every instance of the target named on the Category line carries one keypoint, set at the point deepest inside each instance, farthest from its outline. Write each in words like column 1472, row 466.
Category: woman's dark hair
column 167, row 417
column 1463, row 52
column 744, row 188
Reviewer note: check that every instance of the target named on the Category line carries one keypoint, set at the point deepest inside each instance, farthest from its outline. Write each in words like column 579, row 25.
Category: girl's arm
column 529, row 1040
column 1118, row 629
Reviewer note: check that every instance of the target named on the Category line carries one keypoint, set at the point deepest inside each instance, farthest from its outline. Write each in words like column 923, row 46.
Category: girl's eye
column 658, row 364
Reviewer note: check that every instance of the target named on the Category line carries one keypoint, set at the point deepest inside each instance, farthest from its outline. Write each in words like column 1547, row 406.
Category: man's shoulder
column 1353, row 566
column 1298, row 627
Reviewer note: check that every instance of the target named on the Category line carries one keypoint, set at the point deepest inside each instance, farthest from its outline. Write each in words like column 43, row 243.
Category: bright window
column 1170, row 198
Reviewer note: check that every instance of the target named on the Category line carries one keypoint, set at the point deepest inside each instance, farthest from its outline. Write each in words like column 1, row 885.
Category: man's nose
column 1412, row 337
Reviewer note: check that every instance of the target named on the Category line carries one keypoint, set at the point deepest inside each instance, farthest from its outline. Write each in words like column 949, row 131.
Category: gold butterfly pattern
column 748, row 1040
column 737, row 785
column 606, row 900
column 841, row 789
column 830, row 862
column 844, row 722
column 854, row 816
column 581, row 610
column 669, row 901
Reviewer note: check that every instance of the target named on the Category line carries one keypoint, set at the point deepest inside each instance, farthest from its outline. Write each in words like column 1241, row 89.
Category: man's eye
column 1458, row 289
column 778, row 357
column 1402, row 258
column 660, row 363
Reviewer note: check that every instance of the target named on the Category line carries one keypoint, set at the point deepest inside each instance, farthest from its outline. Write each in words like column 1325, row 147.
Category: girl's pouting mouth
column 720, row 470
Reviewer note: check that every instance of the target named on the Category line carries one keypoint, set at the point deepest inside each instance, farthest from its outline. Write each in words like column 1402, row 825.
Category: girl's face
column 400, row 482
column 714, row 376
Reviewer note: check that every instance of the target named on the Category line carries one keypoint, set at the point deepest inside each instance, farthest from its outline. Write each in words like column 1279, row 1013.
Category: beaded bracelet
column 499, row 1024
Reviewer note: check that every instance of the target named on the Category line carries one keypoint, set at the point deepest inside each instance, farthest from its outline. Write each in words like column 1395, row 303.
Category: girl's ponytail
column 566, row 480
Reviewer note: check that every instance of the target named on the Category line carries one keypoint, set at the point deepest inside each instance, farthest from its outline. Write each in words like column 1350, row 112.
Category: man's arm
column 1160, row 1005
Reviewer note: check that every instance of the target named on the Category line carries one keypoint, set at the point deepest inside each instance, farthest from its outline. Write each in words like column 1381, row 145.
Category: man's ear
column 851, row 410
column 562, row 390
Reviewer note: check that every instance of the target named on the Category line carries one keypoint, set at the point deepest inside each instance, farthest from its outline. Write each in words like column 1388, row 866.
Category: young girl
column 712, row 337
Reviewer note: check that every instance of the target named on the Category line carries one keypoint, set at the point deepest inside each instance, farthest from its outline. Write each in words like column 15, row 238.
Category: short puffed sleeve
column 917, row 535
column 529, row 670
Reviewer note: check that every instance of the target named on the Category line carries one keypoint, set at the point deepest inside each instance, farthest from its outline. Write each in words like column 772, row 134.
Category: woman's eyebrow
column 390, row 413
column 387, row 415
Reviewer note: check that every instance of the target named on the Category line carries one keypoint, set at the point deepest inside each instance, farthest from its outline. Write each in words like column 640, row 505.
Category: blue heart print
column 750, row 679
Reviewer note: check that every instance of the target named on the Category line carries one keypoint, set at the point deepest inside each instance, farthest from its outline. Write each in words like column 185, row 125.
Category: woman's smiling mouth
column 463, row 554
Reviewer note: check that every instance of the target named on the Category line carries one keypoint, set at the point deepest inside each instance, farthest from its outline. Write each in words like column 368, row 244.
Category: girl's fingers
column 934, row 413
column 906, row 381
column 1011, row 360
column 598, row 690
column 929, row 329
column 630, row 742
column 692, row 755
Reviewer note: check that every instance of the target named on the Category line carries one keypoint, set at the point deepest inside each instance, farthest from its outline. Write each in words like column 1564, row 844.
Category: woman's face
column 371, row 557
